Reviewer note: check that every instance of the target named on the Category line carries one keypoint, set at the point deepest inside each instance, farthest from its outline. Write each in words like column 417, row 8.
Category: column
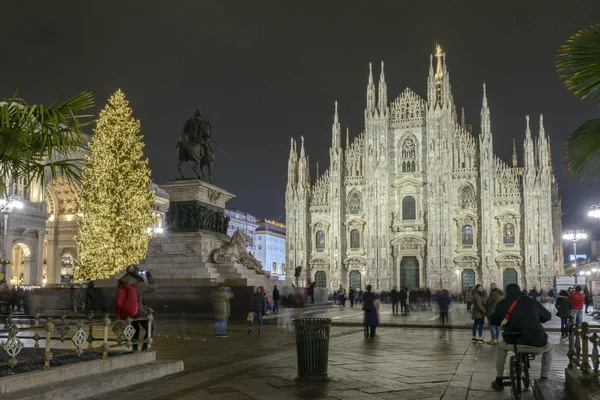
column 37, row 279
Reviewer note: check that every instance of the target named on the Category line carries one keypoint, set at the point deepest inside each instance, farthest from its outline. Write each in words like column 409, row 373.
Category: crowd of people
column 11, row 298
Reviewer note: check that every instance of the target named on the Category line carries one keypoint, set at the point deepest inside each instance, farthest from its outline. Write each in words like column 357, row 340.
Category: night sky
column 263, row 71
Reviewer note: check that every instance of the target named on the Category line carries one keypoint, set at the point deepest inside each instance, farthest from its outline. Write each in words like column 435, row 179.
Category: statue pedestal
column 194, row 190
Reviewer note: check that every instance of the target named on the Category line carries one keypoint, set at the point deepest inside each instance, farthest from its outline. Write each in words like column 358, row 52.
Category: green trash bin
column 312, row 348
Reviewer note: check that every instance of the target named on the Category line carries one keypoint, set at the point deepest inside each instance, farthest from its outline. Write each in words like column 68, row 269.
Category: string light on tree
column 115, row 201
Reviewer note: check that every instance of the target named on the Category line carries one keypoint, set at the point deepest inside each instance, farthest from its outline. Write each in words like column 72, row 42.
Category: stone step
column 76, row 389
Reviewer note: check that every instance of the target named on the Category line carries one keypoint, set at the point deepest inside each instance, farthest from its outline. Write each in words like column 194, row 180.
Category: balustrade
column 580, row 340
column 13, row 338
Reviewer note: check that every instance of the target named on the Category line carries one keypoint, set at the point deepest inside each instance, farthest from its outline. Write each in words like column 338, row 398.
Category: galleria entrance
column 409, row 272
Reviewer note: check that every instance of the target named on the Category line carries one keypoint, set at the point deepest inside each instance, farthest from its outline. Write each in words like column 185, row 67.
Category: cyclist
column 522, row 318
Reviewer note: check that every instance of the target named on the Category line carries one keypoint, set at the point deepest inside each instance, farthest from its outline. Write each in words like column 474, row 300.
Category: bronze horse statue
column 194, row 146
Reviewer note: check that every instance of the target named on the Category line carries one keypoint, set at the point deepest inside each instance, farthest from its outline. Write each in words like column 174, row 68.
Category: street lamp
column 594, row 211
column 7, row 205
column 574, row 235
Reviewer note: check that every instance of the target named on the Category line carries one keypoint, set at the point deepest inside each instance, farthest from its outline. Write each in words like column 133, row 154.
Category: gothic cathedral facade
column 418, row 200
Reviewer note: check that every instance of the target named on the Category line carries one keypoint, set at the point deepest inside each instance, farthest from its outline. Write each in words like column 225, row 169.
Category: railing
column 579, row 355
column 123, row 330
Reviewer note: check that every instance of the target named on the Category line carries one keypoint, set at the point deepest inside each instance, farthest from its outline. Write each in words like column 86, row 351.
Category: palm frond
column 578, row 63
column 582, row 150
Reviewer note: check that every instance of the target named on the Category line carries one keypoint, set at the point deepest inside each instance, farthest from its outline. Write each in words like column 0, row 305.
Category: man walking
column 403, row 296
column 469, row 298
column 275, row 300
column 222, row 309
column 490, row 305
column 395, row 297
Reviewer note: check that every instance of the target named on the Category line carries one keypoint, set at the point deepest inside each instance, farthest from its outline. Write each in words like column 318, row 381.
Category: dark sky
column 263, row 71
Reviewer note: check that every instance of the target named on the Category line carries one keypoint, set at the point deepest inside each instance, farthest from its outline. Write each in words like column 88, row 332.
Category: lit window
column 320, row 242
column 467, row 235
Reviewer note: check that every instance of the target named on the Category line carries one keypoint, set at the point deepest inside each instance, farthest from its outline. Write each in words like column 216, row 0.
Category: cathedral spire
column 462, row 117
column 382, row 104
column 549, row 153
column 485, row 114
column 317, row 177
column 370, row 92
column 347, row 138
column 439, row 70
column 542, row 131
column 514, row 155
column 528, row 147
column 336, row 139
column 527, row 131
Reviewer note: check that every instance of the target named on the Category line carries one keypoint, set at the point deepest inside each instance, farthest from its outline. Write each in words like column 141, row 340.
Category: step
column 76, row 389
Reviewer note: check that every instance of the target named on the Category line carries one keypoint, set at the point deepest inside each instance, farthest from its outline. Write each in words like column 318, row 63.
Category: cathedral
column 419, row 200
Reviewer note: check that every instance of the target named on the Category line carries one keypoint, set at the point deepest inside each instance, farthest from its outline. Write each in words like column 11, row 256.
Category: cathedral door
column 468, row 279
column 409, row 272
column 321, row 279
column 355, row 280
column 509, row 276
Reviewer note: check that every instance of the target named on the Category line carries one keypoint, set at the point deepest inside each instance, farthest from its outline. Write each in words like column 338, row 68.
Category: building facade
column 418, row 200
column 40, row 239
column 244, row 222
column 270, row 247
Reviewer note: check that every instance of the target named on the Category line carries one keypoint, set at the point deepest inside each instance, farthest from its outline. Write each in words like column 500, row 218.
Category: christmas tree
column 115, row 200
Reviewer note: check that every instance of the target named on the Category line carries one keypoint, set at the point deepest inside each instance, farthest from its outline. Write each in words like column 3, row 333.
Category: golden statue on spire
column 438, row 50
column 439, row 54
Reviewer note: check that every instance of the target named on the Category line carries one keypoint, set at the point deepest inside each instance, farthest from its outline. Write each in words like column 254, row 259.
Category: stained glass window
column 508, row 234
column 354, row 203
column 354, row 239
column 409, row 155
column 467, row 198
column 320, row 242
column 467, row 235
column 409, row 209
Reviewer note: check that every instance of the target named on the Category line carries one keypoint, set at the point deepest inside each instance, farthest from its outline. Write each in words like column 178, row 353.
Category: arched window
column 408, row 155
column 67, row 269
column 320, row 242
column 467, row 197
column 508, row 234
column 354, row 239
column 409, row 209
column 274, row 269
column 467, row 235
column 354, row 202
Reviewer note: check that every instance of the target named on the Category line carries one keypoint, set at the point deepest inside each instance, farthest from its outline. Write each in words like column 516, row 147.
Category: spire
column 462, row 117
column 439, row 68
column 527, row 131
column 485, row 114
column 549, row 153
column 542, row 132
column 370, row 92
column 514, row 155
column 382, row 104
column 317, row 178
column 528, row 147
column 347, row 138
column 431, row 65
column 302, row 153
column 336, row 139
column 292, row 148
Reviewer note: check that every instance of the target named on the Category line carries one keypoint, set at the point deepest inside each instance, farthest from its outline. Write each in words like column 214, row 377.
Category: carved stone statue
column 235, row 251
column 195, row 146
column 193, row 217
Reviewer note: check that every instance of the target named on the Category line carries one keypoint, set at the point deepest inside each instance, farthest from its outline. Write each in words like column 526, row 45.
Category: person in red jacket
column 577, row 300
column 128, row 306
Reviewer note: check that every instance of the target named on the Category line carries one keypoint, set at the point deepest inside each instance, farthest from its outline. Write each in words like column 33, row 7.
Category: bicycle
column 518, row 368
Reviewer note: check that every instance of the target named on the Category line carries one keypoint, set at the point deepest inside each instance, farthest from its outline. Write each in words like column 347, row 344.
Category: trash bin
column 312, row 348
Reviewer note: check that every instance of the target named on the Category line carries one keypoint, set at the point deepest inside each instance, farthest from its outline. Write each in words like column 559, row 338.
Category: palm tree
column 37, row 142
column 578, row 63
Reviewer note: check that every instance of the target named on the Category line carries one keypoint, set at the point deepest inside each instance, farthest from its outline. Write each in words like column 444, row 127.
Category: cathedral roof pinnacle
column 336, row 119
column 462, row 116
column 542, row 131
column 514, row 154
column 347, row 138
column 382, row 76
column 485, row 102
column 439, row 68
column 370, row 73
column 527, row 131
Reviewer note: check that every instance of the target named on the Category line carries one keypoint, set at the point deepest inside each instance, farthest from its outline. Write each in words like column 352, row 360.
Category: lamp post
column 7, row 205
column 574, row 236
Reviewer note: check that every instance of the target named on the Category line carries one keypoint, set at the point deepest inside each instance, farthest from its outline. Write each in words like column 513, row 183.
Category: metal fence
column 76, row 330
column 580, row 341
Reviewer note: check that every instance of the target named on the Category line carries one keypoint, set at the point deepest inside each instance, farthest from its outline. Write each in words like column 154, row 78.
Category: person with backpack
column 563, row 310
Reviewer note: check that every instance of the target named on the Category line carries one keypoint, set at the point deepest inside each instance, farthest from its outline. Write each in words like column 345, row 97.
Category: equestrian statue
column 195, row 146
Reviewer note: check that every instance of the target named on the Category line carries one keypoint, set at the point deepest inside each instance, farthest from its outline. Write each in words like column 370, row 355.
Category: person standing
column 370, row 305
column 342, row 296
column 563, row 310
column 469, row 298
column 477, row 314
column 490, row 305
column 395, row 297
column 577, row 300
column 351, row 294
column 275, row 300
column 403, row 296
column 443, row 298
column 257, row 308
column 90, row 295
column 128, row 307
column 222, row 309
column 588, row 299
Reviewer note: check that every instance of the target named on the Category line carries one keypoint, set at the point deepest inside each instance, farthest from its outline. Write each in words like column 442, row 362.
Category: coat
column 478, row 307
column 220, row 300
column 127, row 302
column 492, row 301
column 526, row 318
column 469, row 296
column 563, row 307
column 258, row 304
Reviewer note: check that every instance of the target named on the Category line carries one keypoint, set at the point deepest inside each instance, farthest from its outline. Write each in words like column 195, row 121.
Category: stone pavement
column 459, row 316
column 401, row 363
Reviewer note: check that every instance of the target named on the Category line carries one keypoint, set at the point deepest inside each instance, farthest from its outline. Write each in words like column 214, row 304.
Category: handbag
column 250, row 316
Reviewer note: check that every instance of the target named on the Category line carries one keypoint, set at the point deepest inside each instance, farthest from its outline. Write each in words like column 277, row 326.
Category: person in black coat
column 275, row 300
column 395, row 297
column 403, row 296
column 522, row 318
column 563, row 311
